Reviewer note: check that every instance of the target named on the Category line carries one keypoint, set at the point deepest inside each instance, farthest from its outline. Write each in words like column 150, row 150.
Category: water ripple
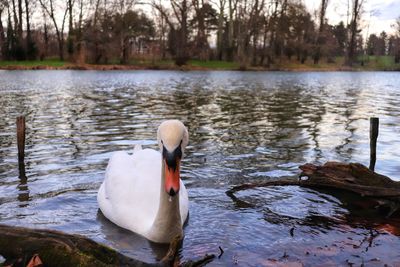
column 244, row 127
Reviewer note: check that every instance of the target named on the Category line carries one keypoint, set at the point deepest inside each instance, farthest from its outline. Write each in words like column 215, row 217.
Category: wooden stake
column 373, row 136
column 21, row 145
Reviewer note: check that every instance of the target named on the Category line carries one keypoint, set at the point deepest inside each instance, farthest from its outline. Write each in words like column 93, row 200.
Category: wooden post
column 373, row 136
column 21, row 146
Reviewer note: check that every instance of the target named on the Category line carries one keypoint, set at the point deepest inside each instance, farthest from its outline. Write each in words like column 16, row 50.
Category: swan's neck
column 167, row 223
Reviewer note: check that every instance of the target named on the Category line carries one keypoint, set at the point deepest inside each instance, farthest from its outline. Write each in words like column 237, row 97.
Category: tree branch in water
column 352, row 177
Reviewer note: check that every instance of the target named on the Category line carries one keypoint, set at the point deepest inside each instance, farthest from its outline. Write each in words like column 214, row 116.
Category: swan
column 143, row 192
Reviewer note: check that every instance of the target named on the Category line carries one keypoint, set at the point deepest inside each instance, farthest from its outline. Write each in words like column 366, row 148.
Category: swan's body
column 134, row 195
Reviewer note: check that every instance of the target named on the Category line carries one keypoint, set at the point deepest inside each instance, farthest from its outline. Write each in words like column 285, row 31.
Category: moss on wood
column 59, row 249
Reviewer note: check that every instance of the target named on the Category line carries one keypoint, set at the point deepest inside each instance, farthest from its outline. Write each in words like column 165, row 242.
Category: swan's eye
column 162, row 142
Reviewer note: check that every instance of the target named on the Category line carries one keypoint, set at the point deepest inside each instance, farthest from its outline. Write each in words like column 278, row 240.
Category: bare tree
column 255, row 21
column 49, row 7
column 265, row 24
column 181, row 10
column 272, row 24
column 79, row 52
column 221, row 9
column 162, row 25
column 16, row 22
column 30, row 45
column 320, row 37
column 70, row 38
column 396, row 45
column 248, row 31
column 20, row 21
column 3, row 47
column 356, row 13
column 232, row 4
column 178, row 33
column 201, row 37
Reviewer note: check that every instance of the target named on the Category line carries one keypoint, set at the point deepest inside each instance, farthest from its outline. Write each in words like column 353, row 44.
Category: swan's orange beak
column 172, row 178
column 172, row 162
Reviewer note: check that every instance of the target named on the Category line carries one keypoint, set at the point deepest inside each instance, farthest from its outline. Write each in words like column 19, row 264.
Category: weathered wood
column 231, row 192
column 373, row 136
column 59, row 249
column 21, row 145
column 352, row 177
column 173, row 250
column 200, row 262
column 172, row 257
column 221, row 251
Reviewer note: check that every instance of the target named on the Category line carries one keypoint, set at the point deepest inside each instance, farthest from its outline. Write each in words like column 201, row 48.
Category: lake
column 243, row 127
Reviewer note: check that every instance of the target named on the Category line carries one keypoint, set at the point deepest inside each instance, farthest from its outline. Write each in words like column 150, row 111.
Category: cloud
column 378, row 15
column 386, row 10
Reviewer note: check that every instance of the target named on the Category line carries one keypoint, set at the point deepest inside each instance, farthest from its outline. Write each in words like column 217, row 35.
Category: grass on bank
column 369, row 63
column 211, row 64
column 33, row 63
column 214, row 64
column 206, row 64
column 366, row 63
column 379, row 63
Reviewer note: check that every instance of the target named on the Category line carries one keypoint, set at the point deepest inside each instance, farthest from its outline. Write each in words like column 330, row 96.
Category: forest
column 248, row 32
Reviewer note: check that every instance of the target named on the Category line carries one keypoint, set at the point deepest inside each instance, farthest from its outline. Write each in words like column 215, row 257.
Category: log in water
column 59, row 249
column 352, row 177
column 21, row 146
column 373, row 136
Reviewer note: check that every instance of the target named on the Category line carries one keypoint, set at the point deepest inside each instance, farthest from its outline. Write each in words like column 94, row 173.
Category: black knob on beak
column 172, row 192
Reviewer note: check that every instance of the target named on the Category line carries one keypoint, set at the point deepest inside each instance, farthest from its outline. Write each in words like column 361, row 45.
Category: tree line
column 251, row 32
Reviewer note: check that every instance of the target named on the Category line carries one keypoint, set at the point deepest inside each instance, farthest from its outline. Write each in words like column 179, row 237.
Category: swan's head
column 172, row 138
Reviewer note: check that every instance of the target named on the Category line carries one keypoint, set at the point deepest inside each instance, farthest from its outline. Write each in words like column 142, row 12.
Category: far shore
column 193, row 66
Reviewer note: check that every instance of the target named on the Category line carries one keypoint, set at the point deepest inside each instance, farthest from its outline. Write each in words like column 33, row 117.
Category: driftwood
column 58, row 249
column 173, row 251
column 200, row 262
column 172, row 256
column 352, row 177
column 21, row 245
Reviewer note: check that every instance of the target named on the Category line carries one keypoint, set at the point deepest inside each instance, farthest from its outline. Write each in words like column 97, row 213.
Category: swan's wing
column 129, row 181
column 183, row 202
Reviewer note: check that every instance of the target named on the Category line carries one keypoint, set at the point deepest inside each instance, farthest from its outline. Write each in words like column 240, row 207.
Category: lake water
column 243, row 127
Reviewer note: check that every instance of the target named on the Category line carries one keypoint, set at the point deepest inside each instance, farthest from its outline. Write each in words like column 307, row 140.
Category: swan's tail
column 137, row 148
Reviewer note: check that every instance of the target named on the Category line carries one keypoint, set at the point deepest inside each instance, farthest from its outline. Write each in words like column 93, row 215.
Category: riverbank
column 369, row 64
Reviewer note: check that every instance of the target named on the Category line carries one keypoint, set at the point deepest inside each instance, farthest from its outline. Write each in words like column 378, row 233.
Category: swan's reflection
column 129, row 243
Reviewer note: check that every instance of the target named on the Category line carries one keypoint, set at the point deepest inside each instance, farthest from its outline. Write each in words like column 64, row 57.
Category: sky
column 379, row 15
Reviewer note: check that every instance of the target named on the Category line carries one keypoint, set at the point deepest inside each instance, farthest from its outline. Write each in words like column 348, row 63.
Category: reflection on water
column 244, row 127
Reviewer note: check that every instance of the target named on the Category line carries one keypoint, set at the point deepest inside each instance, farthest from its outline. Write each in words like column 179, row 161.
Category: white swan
column 143, row 192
